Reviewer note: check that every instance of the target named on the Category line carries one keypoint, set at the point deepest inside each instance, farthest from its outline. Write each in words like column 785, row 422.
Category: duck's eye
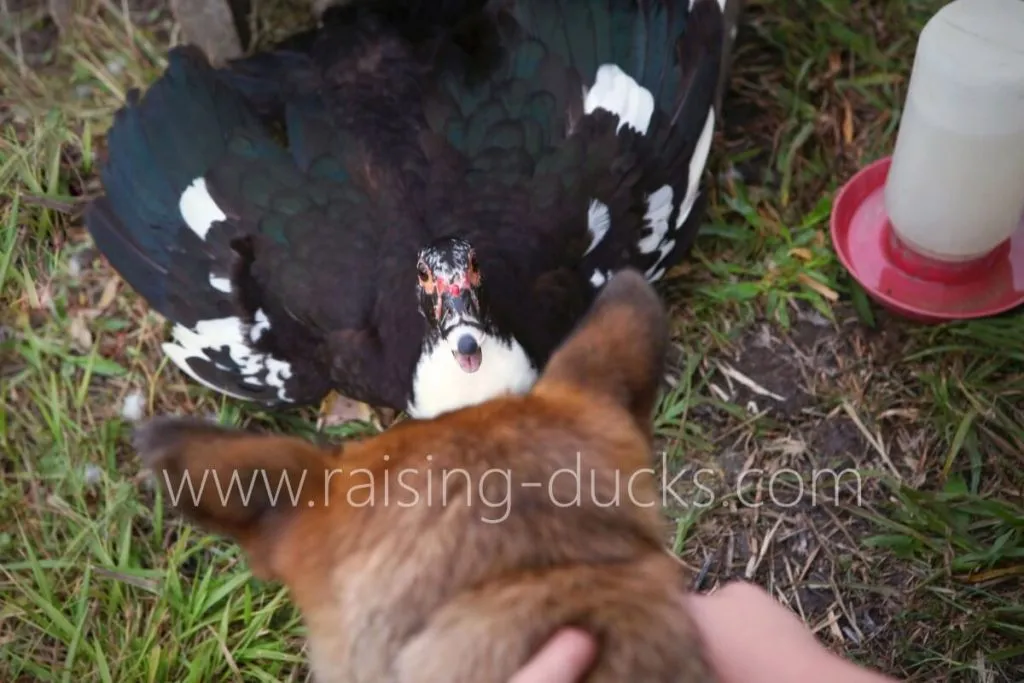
column 423, row 272
column 472, row 270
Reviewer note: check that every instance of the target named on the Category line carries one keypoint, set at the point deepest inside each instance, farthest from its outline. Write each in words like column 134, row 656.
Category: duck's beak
column 461, row 328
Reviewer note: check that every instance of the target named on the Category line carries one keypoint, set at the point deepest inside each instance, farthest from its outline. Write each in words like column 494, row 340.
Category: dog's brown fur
column 433, row 591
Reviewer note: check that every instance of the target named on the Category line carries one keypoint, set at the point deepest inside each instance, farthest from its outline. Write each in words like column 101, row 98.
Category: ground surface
column 913, row 562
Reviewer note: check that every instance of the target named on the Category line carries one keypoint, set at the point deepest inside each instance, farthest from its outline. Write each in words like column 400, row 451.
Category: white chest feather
column 441, row 386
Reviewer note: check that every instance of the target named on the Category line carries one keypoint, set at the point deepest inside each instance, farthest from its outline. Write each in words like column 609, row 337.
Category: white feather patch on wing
column 198, row 209
column 721, row 4
column 260, row 325
column 226, row 333
column 617, row 92
column 655, row 272
column 659, row 210
column 598, row 222
column 659, row 204
column 221, row 284
column 697, row 164
column 656, row 275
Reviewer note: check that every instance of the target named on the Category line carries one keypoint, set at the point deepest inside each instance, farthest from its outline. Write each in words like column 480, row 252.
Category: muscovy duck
column 456, row 181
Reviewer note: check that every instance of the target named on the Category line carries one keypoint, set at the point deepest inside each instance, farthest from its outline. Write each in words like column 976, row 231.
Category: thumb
column 563, row 659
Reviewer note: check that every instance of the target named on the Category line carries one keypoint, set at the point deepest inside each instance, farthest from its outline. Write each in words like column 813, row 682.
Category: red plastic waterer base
column 907, row 283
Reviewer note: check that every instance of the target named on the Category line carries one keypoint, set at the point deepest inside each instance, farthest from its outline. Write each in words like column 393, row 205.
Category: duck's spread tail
column 164, row 230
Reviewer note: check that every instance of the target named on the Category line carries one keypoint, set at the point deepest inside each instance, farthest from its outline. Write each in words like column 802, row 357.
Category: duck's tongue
column 469, row 362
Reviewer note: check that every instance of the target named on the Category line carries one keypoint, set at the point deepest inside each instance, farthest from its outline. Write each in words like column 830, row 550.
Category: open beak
column 460, row 328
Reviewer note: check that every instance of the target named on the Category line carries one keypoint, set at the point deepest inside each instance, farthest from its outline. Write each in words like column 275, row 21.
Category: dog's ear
column 618, row 349
column 245, row 486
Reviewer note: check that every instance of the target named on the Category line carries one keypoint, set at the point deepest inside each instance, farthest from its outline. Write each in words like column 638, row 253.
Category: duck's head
column 465, row 358
column 451, row 299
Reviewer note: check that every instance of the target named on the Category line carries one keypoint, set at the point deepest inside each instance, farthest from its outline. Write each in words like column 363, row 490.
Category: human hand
column 564, row 659
column 748, row 635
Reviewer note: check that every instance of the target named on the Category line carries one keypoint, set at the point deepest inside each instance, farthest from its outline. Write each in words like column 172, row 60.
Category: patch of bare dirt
column 791, row 467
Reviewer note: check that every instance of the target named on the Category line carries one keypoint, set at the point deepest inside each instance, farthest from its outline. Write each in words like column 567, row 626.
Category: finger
column 563, row 659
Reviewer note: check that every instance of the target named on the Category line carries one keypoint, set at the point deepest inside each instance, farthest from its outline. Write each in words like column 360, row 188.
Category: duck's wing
column 583, row 127
column 263, row 268
column 668, row 55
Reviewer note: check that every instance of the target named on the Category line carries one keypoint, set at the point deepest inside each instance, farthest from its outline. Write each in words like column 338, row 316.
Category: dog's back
column 452, row 549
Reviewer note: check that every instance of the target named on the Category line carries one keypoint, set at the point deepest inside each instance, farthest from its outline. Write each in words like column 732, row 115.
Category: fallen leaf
column 826, row 292
column 30, row 293
column 847, row 122
column 109, row 293
column 80, row 333
column 339, row 410
column 802, row 253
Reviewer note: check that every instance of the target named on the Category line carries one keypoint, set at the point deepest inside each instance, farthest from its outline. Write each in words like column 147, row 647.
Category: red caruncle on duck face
column 449, row 287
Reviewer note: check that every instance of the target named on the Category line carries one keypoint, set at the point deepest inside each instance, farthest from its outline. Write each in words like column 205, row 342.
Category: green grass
column 921, row 578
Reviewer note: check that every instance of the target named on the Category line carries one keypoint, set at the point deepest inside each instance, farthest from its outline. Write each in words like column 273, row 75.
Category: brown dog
column 451, row 549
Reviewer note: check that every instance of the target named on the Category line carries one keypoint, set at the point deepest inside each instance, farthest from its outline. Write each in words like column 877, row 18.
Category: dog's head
column 304, row 515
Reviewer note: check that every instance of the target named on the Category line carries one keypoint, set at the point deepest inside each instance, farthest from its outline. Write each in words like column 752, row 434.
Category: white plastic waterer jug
column 955, row 190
